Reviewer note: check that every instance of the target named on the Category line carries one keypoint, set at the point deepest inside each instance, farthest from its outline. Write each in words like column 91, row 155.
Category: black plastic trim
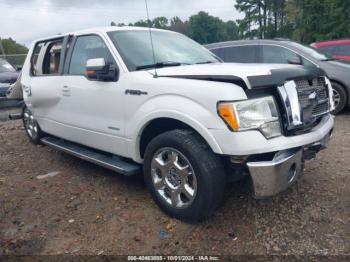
column 279, row 76
column 216, row 78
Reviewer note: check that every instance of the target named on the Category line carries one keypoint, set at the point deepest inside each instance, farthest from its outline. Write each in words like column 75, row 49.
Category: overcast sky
column 27, row 20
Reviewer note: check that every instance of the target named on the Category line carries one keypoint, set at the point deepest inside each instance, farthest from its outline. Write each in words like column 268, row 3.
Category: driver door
column 91, row 111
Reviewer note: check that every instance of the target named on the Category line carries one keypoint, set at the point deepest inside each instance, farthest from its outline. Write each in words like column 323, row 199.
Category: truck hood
column 337, row 66
column 245, row 75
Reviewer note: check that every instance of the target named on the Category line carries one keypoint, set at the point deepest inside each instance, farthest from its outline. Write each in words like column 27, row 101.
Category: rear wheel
column 31, row 126
column 340, row 97
column 185, row 178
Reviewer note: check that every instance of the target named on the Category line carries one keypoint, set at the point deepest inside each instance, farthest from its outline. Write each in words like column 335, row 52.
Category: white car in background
column 189, row 121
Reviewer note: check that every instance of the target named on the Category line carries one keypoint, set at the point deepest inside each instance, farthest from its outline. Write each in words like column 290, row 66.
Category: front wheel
column 31, row 126
column 340, row 98
column 185, row 178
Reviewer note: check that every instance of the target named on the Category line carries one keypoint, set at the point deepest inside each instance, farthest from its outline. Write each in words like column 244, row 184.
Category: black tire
column 207, row 167
column 34, row 136
column 343, row 98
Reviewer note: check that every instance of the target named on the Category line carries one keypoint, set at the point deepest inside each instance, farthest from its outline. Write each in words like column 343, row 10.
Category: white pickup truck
column 189, row 121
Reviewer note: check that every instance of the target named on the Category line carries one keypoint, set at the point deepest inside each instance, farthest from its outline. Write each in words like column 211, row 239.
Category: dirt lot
column 85, row 209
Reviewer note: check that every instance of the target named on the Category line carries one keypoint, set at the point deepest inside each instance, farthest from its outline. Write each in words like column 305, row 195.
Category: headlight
column 260, row 113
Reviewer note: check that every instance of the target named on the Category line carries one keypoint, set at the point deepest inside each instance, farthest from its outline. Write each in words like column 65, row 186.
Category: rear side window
column 85, row 48
column 342, row 49
column 329, row 50
column 46, row 58
column 237, row 54
column 276, row 55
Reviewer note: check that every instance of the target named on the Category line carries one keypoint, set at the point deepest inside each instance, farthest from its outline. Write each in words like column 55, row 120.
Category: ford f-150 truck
column 135, row 99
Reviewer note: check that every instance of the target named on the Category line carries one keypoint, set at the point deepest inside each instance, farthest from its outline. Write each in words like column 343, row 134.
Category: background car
column 8, row 76
column 339, row 49
column 289, row 52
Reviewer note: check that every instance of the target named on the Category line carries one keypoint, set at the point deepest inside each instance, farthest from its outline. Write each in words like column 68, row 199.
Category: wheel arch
column 345, row 88
column 158, row 125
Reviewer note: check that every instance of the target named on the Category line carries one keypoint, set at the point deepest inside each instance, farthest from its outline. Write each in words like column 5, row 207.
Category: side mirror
column 18, row 68
column 97, row 69
column 295, row 60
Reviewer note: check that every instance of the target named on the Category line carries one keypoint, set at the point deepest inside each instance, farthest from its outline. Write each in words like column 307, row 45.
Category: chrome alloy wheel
column 336, row 98
column 30, row 124
column 173, row 178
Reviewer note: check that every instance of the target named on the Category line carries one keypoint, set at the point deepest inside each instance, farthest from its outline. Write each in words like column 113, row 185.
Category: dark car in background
column 339, row 49
column 8, row 76
column 288, row 52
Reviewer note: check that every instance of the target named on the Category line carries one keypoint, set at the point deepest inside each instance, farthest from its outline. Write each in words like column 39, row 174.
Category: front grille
column 305, row 102
column 320, row 109
column 313, row 96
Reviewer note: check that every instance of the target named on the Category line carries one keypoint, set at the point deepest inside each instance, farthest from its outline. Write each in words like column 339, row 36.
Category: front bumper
column 272, row 177
column 252, row 142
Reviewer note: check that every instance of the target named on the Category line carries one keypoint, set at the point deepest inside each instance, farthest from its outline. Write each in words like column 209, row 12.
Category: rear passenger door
column 42, row 88
column 237, row 54
column 92, row 111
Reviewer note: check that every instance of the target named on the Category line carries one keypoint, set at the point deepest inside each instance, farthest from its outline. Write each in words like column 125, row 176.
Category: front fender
column 178, row 108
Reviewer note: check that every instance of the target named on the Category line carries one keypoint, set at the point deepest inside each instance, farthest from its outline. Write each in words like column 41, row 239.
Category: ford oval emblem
column 312, row 96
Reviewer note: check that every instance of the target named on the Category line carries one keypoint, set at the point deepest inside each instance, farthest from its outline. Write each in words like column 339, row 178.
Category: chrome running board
column 106, row 160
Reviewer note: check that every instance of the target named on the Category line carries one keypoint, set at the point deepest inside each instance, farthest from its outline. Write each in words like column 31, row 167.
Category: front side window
column 88, row 47
column 329, row 50
column 6, row 66
column 237, row 54
column 315, row 54
column 136, row 49
column 276, row 55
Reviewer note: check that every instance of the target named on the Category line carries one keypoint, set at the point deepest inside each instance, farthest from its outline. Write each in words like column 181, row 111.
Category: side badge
column 135, row 92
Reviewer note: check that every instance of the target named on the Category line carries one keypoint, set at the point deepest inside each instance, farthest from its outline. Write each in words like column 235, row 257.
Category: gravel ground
column 52, row 203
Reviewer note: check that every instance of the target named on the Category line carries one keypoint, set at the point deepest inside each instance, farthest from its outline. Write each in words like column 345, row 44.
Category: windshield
column 310, row 51
column 170, row 49
column 6, row 66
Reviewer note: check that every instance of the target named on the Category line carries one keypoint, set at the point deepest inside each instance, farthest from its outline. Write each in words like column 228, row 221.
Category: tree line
column 10, row 46
column 304, row 21
column 201, row 27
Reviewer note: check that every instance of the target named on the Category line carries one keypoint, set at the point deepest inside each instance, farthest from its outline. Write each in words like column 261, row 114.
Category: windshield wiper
column 205, row 62
column 330, row 59
column 158, row 65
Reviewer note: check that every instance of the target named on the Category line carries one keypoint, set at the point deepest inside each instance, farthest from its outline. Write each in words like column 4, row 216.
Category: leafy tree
column 231, row 31
column 205, row 28
column 202, row 27
column 301, row 20
column 160, row 22
column 209, row 29
column 10, row 47
column 143, row 23
column 177, row 25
